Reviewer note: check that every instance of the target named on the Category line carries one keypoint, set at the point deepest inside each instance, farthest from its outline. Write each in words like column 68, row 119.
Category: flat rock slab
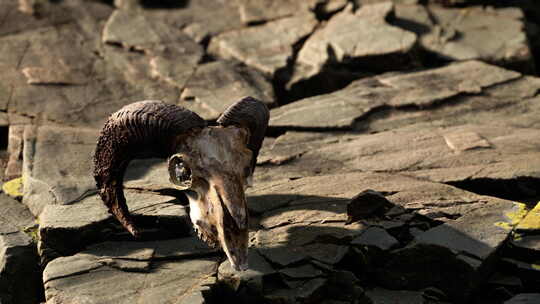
column 68, row 228
column 363, row 96
column 385, row 296
column 452, row 154
column 376, row 237
column 314, row 209
column 267, row 47
column 216, row 85
column 471, row 33
column 101, row 276
column 352, row 36
column 20, row 280
column 252, row 278
column 58, row 167
column 524, row 298
column 162, row 42
column 200, row 20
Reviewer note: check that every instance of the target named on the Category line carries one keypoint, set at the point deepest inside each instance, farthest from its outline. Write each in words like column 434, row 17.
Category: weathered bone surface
column 213, row 163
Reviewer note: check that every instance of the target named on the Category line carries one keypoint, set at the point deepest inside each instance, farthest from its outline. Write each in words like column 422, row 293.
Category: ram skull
column 213, row 164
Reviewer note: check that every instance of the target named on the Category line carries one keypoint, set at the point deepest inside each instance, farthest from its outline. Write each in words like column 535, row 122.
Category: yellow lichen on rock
column 531, row 221
column 514, row 216
column 13, row 187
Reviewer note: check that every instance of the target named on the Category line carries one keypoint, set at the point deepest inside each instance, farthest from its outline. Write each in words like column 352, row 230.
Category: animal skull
column 214, row 164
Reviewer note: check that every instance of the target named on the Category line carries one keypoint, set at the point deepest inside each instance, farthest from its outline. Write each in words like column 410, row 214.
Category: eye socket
column 179, row 172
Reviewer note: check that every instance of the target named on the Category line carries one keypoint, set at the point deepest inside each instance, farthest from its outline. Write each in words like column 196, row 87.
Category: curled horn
column 251, row 114
column 139, row 130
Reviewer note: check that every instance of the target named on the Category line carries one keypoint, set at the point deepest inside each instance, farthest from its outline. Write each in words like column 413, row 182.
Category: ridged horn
column 139, row 130
column 251, row 114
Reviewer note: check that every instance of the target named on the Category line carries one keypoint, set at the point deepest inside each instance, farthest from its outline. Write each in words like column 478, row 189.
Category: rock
column 471, row 33
column 376, row 237
column 506, row 280
column 69, row 228
column 344, row 285
column 69, row 51
column 20, row 276
column 201, row 20
column 267, row 47
column 467, row 235
column 422, row 152
column 252, row 278
column 356, row 37
column 258, row 11
column 389, row 90
column 366, row 204
column 29, row 15
column 15, row 150
column 310, row 292
column 216, row 85
column 531, row 223
column 383, row 296
column 293, row 243
column 462, row 249
column 427, row 265
column 302, row 272
column 57, row 165
column 119, row 278
column 524, row 298
column 465, row 244
column 159, row 40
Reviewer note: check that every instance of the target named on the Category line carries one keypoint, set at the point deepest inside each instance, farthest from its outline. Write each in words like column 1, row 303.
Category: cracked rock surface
column 401, row 163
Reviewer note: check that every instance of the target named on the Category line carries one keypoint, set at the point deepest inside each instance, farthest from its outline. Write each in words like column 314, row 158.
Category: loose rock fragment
column 20, row 277
column 465, row 141
column 471, row 33
column 376, row 237
column 366, row 204
column 214, row 85
column 266, row 47
column 524, row 298
column 354, row 36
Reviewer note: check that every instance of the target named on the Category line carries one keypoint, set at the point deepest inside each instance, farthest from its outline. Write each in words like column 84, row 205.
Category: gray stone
column 105, row 278
column 161, row 41
column 69, row 51
column 20, row 278
column 68, row 228
column 292, row 243
column 385, row 296
column 57, row 165
column 302, row 272
column 257, row 11
column 524, row 298
column 422, row 152
column 30, row 15
column 267, row 47
column 468, row 235
column 309, row 292
column 366, row 204
column 477, row 34
column 352, row 36
column 252, row 277
column 376, row 237
column 422, row 89
column 216, row 85
column 15, row 150
column 200, row 20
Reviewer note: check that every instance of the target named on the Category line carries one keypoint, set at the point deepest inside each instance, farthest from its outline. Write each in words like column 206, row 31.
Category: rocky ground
column 401, row 165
